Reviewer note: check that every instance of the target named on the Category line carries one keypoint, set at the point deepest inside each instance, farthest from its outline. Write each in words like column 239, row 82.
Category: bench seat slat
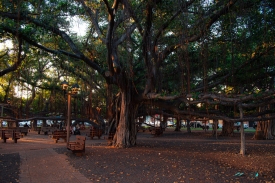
column 59, row 134
column 78, row 146
column 10, row 134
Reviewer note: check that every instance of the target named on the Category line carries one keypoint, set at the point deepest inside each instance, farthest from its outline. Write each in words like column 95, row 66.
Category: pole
column 68, row 118
column 216, row 128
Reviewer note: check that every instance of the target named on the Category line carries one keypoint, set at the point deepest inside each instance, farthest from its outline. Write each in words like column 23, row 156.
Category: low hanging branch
column 20, row 58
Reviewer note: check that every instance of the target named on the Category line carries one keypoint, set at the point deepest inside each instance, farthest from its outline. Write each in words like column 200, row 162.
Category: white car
column 245, row 126
column 170, row 123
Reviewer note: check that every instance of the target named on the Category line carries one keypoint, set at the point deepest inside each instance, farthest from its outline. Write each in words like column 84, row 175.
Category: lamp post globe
column 75, row 88
column 64, row 84
column 8, row 100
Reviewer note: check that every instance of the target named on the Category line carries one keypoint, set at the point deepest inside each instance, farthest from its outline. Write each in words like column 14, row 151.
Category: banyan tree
column 187, row 59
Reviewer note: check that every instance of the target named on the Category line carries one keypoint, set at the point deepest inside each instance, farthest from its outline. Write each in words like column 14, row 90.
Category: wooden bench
column 37, row 129
column 96, row 132
column 78, row 146
column 47, row 130
column 24, row 130
column 21, row 130
column 59, row 135
column 157, row 131
column 7, row 134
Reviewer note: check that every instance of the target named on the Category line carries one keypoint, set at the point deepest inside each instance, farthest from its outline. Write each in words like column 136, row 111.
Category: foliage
column 219, row 53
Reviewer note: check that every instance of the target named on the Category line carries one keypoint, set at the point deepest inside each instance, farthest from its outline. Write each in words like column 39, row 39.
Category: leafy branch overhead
column 215, row 56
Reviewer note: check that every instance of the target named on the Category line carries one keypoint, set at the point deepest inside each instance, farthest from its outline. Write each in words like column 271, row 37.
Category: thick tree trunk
column 264, row 130
column 188, row 126
column 125, row 110
column 109, row 102
column 267, row 130
column 227, row 129
column 163, row 122
column 242, row 150
column 126, row 130
column 178, row 125
column 215, row 128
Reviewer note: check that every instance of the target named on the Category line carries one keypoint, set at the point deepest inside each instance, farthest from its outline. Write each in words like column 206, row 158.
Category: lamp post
column 188, row 108
column 73, row 91
column 8, row 101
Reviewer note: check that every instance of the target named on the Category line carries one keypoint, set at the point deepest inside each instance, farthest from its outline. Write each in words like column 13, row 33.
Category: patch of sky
column 78, row 26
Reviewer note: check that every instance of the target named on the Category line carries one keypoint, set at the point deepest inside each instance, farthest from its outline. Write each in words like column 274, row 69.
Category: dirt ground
column 179, row 157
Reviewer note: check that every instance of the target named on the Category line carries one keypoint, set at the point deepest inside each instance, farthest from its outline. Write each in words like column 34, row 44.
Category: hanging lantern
column 75, row 88
column 8, row 100
column 64, row 85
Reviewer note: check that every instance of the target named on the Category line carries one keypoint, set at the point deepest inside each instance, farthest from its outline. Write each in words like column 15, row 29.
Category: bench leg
column 78, row 154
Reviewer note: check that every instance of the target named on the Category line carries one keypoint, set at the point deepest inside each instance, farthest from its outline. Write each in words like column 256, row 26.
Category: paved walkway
column 39, row 161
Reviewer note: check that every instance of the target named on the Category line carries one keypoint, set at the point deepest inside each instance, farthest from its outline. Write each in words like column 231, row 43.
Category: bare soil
column 179, row 157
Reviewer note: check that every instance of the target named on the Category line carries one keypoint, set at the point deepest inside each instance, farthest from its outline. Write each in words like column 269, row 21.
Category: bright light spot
column 78, row 26
column 6, row 44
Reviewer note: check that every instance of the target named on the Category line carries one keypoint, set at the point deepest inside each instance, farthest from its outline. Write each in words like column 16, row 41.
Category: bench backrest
column 9, row 133
column 60, row 132
column 80, row 140
column 36, row 128
column 19, row 129
column 49, row 129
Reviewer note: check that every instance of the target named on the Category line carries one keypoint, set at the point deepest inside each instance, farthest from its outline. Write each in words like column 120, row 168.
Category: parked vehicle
column 196, row 124
column 237, row 126
column 170, row 123
column 199, row 124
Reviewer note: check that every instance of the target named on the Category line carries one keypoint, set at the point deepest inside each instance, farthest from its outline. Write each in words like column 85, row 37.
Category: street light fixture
column 74, row 90
column 8, row 101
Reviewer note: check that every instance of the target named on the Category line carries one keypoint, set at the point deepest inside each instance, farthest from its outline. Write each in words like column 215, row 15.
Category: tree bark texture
column 265, row 129
column 188, row 126
column 227, row 129
column 242, row 150
column 126, row 130
column 178, row 125
column 215, row 128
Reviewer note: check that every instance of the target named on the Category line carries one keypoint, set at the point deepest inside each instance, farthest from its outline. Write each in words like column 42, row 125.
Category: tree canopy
column 193, row 59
